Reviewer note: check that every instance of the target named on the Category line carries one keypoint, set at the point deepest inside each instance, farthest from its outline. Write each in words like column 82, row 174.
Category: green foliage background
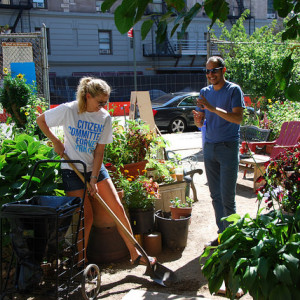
column 254, row 61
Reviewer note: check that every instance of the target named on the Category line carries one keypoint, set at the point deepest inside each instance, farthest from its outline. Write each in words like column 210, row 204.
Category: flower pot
column 180, row 212
column 152, row 243
column 142, row 221
column 106, row 245
column 174, row 232
column 135, row 169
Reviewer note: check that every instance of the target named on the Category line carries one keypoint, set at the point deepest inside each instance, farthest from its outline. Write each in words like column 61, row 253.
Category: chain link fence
column 27, row 47
column 63, row 89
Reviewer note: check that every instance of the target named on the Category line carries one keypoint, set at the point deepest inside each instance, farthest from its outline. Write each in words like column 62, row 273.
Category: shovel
column 159, row 273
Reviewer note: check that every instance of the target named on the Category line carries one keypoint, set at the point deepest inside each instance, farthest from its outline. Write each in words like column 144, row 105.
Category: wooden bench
column 256, row 164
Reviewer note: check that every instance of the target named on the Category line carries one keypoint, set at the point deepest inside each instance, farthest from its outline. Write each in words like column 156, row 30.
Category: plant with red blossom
column 282, row 178
column 140, row 192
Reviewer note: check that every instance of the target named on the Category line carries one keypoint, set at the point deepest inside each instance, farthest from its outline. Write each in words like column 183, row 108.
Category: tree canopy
column 130, row 12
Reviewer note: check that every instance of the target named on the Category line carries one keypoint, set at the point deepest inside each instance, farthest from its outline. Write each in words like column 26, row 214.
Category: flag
column 130, row 33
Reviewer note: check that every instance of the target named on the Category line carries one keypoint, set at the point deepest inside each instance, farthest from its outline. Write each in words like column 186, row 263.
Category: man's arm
column 236, row 116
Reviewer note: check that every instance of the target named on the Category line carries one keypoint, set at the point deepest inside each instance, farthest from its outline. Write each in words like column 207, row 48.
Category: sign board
column 25, row 68
column 142, row 100
column 16, row 52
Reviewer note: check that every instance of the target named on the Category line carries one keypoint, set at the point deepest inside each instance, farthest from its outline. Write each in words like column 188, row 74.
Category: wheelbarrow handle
column 111, row 213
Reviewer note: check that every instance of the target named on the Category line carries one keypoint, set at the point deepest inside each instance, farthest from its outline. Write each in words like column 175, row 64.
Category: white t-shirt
column 82, row 132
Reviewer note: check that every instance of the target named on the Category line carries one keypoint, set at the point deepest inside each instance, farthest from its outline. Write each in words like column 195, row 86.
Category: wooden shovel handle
column 111, row 213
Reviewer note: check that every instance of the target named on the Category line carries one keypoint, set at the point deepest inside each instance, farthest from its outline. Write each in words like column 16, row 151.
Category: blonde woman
column 87, row 128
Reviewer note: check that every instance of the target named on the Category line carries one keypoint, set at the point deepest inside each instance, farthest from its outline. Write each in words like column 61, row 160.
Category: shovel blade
column 161, row 275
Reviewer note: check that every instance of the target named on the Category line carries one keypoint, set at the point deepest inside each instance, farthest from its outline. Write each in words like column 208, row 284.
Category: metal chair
column 189, row 170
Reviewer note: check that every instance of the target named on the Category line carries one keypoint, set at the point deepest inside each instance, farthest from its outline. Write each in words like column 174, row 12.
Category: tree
column 130, row 12
column 253, row 60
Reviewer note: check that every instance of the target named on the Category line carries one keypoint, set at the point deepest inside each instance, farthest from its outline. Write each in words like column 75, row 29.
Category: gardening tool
column 159, row 273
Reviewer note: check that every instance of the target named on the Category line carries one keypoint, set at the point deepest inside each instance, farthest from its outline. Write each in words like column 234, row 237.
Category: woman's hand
column 59, row 147
column 93, row 189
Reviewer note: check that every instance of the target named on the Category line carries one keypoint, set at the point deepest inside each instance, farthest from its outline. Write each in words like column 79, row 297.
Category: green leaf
column 125, row 16
column 145, row 28
column 216, row 9
column 22, row 146
column 35, row 179
column 142, row 5
column 255, row 251
column 214, row 283
column 205, row 253
column 293, row 92
column 174, row 29
column 161, row 32
column 280, row 292
column 107, row 4
column 249, row 276
column 33, row 147
column 263, row 267
column 233, row 218
column 283, row 7
column 283, row 274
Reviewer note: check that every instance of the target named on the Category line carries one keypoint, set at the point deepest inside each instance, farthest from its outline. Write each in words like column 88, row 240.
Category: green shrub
column 17, row 159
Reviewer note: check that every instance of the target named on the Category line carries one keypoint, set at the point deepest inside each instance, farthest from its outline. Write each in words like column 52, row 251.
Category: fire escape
column 236, row 12
column 21, row 14
column 165, row 49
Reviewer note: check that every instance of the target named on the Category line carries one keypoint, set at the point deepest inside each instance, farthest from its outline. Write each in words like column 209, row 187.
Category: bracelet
column 94, row 177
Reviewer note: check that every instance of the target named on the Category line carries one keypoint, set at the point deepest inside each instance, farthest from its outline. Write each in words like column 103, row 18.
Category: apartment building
column 83, row 40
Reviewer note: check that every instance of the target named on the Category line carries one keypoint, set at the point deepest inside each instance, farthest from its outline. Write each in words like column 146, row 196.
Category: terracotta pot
column 180, row 212
column 133, row 169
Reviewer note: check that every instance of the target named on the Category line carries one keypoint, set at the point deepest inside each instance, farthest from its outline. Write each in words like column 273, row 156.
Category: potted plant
column 181, row 209
column 282, row 181
column 131, row 146
column 260, row 256
column 140, row 194
column 162, row 171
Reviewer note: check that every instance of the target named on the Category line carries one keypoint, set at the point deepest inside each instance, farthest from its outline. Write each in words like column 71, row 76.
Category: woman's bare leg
column 109, row 194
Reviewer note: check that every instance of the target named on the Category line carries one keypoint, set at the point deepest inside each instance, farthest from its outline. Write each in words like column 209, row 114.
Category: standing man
column 221, row 104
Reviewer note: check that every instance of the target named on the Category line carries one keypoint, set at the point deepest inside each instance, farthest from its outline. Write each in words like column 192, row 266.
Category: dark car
column 174, row 111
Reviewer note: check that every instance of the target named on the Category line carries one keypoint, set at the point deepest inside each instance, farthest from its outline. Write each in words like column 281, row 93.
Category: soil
column 117, row 279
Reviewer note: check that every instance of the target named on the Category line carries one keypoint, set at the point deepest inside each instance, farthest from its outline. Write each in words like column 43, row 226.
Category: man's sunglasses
column 214, row 70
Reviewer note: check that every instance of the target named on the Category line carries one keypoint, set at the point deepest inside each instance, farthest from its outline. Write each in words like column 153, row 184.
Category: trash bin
column 36, row 227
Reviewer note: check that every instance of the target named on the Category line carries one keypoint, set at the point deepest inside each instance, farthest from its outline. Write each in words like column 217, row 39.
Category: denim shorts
column 72, row 182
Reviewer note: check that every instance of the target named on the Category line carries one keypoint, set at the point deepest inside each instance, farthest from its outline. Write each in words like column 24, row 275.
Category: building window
column 39, row 3
column 105, row 42
column 157, row 6
column 38, row 29
column 271, row 12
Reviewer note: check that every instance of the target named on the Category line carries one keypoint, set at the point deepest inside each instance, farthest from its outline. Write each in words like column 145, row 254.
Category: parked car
column 155, row 94
column 174, row 111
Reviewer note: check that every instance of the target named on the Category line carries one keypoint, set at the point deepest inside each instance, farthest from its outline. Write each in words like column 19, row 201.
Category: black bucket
column 142, row 221
column 174, row 232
